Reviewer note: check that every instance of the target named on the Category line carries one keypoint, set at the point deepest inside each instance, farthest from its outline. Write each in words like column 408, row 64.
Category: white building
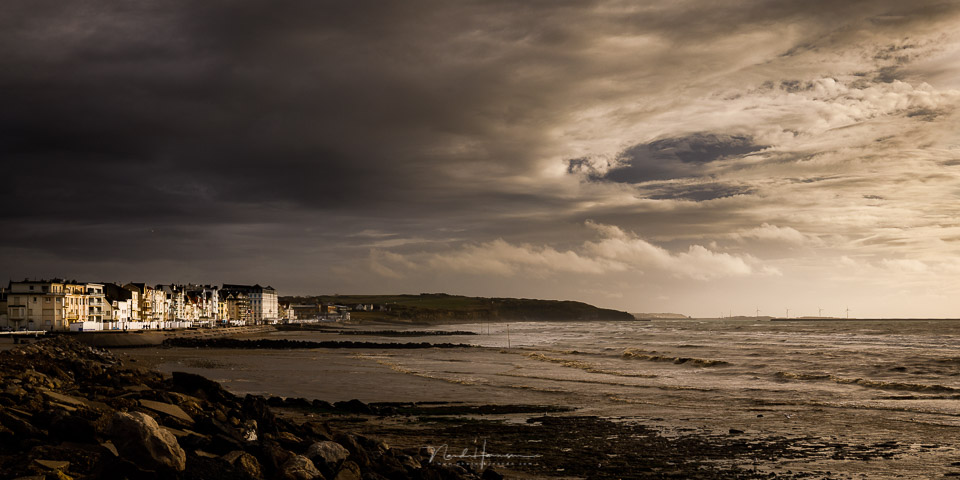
column 264, row 306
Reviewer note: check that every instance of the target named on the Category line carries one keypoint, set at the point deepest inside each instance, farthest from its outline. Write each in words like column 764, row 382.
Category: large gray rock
column 139, row 439
column 330, row 453
column 299, row 467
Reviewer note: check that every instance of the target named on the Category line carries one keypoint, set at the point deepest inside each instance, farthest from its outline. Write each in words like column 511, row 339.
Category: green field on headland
column 440, row 308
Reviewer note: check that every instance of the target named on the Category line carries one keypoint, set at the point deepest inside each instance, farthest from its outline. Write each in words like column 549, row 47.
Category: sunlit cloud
column 615, row 251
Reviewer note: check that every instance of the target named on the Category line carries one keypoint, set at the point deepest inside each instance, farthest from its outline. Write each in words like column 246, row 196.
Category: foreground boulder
column 299, row 467
column 139, row 438
column 330, row 453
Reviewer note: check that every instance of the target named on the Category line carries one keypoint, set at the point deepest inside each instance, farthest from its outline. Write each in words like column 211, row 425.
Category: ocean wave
column 652, row 357
column 571, row 380
column 585, row 366
column 684, row 388
column 867, row 383
column 534, row 389
column 621, row 399
column 407, row 371
column 801, row 376
column 883, row 407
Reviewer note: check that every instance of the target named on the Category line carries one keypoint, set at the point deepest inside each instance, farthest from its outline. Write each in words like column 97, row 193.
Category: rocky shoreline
column 283, row 344
column 307, row 327
column 71, row 411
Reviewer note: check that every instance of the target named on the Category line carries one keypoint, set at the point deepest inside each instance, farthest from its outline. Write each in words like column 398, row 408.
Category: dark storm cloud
column 668, row 158
column 216, row 129
column 700, row 192
column 316, row 105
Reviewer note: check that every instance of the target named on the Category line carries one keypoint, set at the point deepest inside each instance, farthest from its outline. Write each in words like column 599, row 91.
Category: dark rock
column 272, row 456
column 122, row 403
column 349, row 471
column 72, row 428
column 298, row 402
column 408, row 463
column 372, row 444
column 332, row 454
column 390, row 467
column 222, row 444
column 244, row 464
column 19, row 426
column 316, row 430
column 321, row 405
column 491, row 474
column 140, row 439
column 200, row 387
column 387, row 411
column 15, row 392
column 734, row 431
column 198, row 442
column 7, row 436
column 255, row 407
column 357, row 453
column 290, row 441
column 353, row 406
column 220, row 416
column 298, row 467
column 457, row 470
column 212, row 426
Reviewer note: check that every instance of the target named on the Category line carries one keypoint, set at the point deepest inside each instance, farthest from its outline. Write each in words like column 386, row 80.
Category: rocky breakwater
column 70, row 411
column 284, row 344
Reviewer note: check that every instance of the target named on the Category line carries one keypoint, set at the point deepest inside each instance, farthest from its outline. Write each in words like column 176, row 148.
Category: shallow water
column 853, row 382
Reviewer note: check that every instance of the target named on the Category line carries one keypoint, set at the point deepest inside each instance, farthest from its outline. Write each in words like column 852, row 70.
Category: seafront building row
column 64, row 305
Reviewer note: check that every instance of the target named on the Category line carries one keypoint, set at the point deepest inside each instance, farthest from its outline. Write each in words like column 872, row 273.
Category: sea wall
column 147, row 338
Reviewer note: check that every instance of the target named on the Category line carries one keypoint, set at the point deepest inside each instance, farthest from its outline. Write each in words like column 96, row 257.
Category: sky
column 688, row 156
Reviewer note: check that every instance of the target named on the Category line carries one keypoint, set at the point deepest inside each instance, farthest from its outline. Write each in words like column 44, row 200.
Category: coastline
column 583, row 413
column 64, row 416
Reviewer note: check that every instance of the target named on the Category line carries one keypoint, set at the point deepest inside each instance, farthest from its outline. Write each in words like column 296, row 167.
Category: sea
column 884, row 382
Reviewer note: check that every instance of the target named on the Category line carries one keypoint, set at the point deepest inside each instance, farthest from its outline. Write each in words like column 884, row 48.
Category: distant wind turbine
column 819, row 312
column 848, row 312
